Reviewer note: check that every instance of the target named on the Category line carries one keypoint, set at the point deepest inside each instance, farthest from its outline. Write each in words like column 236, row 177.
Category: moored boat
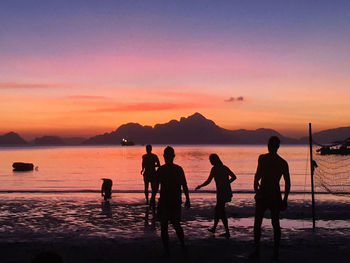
column 22, row 167
column 126, row 142
column 341, row 148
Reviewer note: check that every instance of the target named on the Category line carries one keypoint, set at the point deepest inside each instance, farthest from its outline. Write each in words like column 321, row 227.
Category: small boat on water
column 22, row 167
column 340, row 148
column 126, row 142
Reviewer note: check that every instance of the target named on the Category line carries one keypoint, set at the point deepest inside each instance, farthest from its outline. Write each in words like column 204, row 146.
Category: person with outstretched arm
column 223, row 177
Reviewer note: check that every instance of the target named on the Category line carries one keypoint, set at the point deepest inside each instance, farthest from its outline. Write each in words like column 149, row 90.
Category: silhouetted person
column 271, row 167
column 223, row 177
column 171, row 178
column 149, row 163
column 106, row 189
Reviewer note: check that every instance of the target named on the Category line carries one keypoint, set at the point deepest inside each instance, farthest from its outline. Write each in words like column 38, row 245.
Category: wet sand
column 81, row 228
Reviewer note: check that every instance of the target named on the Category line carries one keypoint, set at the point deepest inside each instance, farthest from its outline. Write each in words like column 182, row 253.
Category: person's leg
column 216, row 219
column 179, row 231
column 153, row 195
column 224, row 219
column 165, row 235
column 259, row 215
column 146, row 182
column 275, row 220
column 108, row 194
column 180, row 234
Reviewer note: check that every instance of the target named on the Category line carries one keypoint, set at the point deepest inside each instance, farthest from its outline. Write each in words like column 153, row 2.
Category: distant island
column 13, row 139
column 195, row 129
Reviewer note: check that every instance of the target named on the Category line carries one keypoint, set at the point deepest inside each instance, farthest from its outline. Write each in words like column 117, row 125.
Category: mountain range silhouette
column 195, row 129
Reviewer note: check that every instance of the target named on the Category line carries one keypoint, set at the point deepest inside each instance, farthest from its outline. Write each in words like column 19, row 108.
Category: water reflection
column 80, row 168
column 106, row 209
column 150, row 219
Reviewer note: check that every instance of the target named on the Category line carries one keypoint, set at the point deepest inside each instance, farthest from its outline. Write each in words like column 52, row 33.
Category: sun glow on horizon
column 80, row 69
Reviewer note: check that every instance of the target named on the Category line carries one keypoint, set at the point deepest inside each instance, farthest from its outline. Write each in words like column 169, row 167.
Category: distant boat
column 341, row 148
column 22, row 167
column 126, row 142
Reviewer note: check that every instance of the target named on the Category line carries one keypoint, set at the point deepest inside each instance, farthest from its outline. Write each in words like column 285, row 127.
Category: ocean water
column 60, row 199
column 81, row 168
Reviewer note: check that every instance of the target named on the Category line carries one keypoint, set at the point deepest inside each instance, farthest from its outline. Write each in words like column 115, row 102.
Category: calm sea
column 81, row 168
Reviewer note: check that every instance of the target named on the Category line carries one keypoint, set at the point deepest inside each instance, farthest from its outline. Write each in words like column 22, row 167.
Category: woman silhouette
column 223, row 177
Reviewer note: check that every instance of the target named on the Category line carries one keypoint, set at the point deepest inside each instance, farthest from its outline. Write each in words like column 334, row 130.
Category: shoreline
column 14, row 146
column 328, row 207
column 83, row 228
column 82, row 191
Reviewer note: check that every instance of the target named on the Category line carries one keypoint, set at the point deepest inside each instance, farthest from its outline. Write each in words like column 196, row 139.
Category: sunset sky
column 85, row 67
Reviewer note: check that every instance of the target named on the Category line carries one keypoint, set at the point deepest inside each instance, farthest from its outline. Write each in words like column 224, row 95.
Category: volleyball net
column 331, row 164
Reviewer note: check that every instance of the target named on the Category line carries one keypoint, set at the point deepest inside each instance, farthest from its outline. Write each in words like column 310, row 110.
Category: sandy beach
column 81, row 228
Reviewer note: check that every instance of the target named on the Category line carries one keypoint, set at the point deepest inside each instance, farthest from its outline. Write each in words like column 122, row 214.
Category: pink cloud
column 233, row 99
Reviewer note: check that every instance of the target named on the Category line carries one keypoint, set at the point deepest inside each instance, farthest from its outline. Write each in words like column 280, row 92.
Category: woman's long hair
column 215, row 160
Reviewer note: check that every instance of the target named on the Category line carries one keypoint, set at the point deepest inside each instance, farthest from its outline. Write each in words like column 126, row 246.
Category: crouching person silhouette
column 106, row 189
column 171, row 178
column 271, row 167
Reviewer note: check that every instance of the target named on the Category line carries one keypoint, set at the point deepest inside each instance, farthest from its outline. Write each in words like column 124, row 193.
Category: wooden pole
column 312, row 178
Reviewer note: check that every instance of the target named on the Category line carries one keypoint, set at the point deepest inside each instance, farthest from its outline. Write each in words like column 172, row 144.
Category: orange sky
column 73, row 71
column 85, row 115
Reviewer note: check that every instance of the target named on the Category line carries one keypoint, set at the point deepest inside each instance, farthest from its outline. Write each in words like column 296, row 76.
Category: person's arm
column 231, row 175
column 143, row 165
column 185, row 190
column 211, row 176
column 157, row 162
column 257, row 176
column 102, row 188
column 157, row 179
column 286, row 177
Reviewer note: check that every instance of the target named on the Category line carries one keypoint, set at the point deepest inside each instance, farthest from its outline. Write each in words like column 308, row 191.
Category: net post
column 312, row 178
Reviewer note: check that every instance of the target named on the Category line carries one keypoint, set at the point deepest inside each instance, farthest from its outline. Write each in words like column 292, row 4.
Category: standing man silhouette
column 271, row 167
column 171, row 178
column 149, row 163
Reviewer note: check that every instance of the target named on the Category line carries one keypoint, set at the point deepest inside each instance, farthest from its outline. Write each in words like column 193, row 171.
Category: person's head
column 148, row 148
column 273, row 144
column 169, row 154
column 214, row 159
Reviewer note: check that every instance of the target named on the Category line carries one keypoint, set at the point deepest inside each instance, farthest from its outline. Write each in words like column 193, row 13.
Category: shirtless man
column 171, row 178
column 149, row 163
column 271, row 167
